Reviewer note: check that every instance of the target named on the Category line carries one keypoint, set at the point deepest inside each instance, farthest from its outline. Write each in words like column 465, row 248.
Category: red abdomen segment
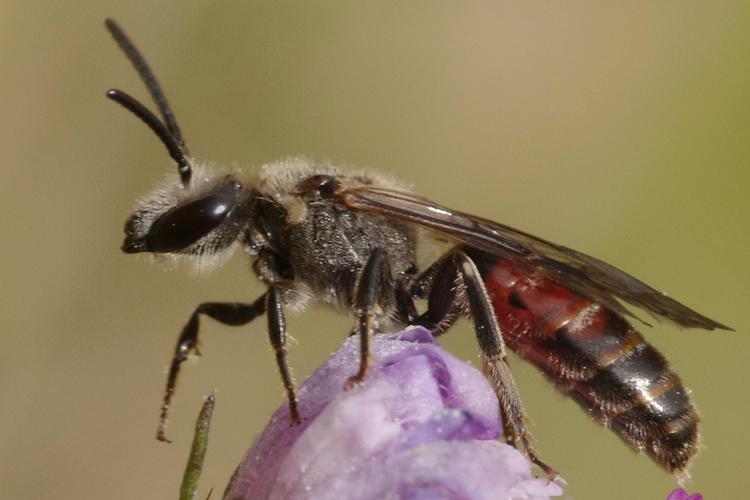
column 594, row 355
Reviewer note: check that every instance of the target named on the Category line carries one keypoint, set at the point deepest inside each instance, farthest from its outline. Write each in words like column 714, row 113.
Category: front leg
column 365, row 307
column 233, row 314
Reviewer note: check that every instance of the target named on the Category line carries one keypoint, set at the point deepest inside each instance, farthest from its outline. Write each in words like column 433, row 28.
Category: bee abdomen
column 595, row 356
column 639, row 397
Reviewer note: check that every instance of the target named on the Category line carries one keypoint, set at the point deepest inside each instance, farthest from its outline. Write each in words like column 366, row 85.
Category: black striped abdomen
column 596, row 357
column 636, row 393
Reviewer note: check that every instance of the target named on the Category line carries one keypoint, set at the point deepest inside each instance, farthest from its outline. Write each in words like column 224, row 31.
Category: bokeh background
column 622, row 131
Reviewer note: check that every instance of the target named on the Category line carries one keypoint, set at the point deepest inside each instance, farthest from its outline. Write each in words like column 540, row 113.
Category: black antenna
column 140, row 65
column 167, row 131
column 175, row 150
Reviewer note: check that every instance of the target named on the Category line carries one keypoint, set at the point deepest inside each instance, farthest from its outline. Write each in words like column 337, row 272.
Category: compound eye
column 182, row 226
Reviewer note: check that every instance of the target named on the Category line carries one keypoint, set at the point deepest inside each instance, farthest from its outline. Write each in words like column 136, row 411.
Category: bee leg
column 228, row 313
column 405, row 308
column 492, row 346
column 365, row 304
column 443, row 303
column 278, row 335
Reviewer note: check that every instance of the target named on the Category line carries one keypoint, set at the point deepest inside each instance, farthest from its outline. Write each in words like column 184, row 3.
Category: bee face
column 185, row 223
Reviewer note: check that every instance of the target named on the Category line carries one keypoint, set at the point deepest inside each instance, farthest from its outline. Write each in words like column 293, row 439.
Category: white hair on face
column 170, row 193
column 201, row 262
column 203, row 255
column 205, row 261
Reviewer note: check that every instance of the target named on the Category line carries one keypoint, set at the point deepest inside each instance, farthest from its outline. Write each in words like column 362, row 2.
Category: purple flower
column 422, row 425
column 681, row 494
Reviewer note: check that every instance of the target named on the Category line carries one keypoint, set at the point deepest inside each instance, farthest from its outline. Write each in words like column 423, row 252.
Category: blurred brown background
column 620, row 131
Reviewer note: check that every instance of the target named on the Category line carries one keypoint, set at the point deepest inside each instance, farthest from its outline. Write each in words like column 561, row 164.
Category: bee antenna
column 170, row 141
column 168, row 130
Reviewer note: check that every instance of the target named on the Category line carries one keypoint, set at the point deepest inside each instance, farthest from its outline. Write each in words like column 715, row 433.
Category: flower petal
column 422, row 425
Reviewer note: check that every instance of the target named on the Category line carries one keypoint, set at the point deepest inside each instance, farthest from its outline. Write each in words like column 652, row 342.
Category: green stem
column 189, row 486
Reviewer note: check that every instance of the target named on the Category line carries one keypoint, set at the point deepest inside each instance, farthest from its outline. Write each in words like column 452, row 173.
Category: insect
column 320, row 234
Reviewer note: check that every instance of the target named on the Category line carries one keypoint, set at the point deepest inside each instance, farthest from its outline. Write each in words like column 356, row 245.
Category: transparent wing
column 584, row 274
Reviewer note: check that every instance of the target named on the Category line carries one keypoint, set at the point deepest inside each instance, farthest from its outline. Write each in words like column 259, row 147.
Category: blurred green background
column 622, row 131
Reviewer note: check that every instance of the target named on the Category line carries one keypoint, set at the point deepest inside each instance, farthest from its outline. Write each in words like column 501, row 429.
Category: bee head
column 199, row 214
column 200, row 220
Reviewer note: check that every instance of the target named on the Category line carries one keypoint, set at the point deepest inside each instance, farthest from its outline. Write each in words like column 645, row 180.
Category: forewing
column 584, row 274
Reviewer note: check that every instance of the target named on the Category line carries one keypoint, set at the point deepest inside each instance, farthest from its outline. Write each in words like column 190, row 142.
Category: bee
column 318, row 234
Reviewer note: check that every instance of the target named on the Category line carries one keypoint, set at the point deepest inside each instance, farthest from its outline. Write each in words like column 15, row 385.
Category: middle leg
column 278, row 335
column 366, row 307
